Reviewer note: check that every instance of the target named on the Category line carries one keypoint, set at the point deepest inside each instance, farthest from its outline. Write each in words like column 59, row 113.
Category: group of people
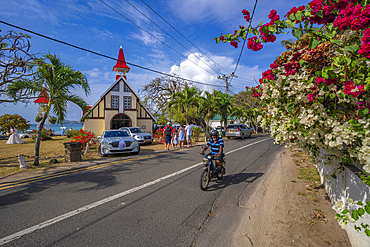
column 174, row 136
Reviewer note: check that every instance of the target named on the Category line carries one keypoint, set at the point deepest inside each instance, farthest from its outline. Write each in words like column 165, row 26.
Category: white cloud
column 147, row 39
column 193, row 71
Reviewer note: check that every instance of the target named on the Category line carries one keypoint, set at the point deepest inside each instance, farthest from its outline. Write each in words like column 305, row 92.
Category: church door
column 120, row 120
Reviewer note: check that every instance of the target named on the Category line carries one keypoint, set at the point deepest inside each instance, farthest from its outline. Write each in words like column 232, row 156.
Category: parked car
column 117, row 142
column 140, row 135
column 237, row 130
column 26, row 134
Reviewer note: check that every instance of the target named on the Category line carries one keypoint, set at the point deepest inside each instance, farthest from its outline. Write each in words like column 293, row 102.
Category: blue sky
column 92, row 25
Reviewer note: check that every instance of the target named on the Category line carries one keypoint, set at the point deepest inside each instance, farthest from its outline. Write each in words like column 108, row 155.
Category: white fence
column 347, row 185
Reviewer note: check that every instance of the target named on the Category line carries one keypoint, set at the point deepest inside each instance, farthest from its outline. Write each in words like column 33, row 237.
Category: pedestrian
column 14, row 137
column 167, row 136
column 189, row 134
column 181, row 135
column 175, row 138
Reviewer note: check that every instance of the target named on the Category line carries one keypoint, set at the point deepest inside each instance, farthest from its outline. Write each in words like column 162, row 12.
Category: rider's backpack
column 167, row 131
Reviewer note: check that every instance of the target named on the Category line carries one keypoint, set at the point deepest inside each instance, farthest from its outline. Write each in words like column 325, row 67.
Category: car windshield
column 137, row 130
column 233, row 126
column 120, row 133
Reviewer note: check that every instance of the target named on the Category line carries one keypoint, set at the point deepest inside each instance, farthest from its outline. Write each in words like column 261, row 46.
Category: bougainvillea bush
column 317, row 92
column 159, row 136
column 45, row 134
column 84, row 137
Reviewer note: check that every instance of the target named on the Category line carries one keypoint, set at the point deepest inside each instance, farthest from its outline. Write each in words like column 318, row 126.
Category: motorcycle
column 210, row 170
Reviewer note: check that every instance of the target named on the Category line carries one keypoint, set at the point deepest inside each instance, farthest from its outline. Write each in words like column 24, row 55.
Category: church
column 119, row 106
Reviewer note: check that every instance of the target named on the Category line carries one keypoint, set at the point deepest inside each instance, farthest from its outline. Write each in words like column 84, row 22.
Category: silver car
column 117, row 142
column 238, row 130
column 140, row 135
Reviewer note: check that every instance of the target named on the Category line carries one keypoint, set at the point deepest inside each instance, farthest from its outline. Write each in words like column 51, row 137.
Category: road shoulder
column 283, row 214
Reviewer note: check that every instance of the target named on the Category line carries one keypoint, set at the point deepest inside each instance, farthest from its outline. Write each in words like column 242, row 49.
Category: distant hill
column 71, row 122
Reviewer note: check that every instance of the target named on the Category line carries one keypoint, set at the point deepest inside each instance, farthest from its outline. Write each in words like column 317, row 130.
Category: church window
column 127, row 102
column 115, row 102
column 127, row 89
column 116, row 88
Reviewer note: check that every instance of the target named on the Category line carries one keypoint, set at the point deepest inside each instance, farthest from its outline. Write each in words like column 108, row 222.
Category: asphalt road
column 153, row 201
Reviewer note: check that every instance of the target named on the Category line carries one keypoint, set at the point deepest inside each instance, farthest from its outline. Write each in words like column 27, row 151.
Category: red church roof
column 121, row 61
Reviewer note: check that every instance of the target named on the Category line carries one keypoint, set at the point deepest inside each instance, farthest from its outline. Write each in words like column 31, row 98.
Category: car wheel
column 136, row 152
column 150, row 143
column 100, row 153
column 250, row 134
column 243, row 137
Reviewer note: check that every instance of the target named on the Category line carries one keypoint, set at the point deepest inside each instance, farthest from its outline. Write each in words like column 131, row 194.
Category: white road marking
column 98, row 203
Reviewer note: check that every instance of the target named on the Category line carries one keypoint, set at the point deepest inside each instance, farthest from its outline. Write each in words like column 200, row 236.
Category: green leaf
column 338, row 42
column 367, row 232
column 297, row 33
column 359, row 202
column 357, row 228
column 313, row 43
column 351, row 48
column 292, row 17
column 301, row 62
column 355, row 215
column 265, row 30
column 363, row 112
column 368, row 203
column 319, row 14
column 299, row 15
column 361, row 211
column 308, row 14
column 345, row 211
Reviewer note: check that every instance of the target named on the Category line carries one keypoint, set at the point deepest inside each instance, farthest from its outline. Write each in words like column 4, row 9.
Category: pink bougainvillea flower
column 234, row 43
column 253, row 44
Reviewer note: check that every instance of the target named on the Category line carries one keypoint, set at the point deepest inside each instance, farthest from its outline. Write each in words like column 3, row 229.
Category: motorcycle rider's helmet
column 214, row 133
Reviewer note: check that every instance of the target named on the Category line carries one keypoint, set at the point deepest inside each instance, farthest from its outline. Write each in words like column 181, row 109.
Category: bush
column 14, row 120
column 72, row 133
column 84, row 137
column 196, row 132
column 159, row 136
column 45, row 134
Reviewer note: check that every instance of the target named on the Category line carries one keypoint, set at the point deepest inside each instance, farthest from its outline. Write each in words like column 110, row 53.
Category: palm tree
column 55, row 80
column 184, row 100
column 224, row 104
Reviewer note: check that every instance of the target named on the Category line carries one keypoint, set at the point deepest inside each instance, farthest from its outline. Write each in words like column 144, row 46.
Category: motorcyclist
column 217, row 145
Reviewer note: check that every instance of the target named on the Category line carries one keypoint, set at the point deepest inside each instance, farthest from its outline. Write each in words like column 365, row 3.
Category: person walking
column 175, row 139
column 167, row 136
column 181, row 135
column 189, row 134
column 14, row 137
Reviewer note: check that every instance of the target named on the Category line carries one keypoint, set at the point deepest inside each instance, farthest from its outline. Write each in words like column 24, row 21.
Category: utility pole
column 224, row 77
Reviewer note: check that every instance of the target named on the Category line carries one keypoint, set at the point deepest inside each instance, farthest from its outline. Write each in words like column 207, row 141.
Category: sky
column 93, row 25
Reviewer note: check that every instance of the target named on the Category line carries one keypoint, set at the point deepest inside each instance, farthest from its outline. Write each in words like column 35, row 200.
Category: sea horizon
column 57, row 128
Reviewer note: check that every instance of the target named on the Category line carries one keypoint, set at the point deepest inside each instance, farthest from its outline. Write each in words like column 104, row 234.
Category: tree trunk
column 38, row 139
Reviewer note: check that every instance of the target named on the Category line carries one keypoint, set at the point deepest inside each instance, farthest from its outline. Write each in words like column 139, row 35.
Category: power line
column 182, row 35
column 169, row 35
column 241, row 52
column 152, row 35
column 102, row 55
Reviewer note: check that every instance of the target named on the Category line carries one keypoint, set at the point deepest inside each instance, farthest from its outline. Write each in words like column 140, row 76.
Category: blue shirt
column 215, row 146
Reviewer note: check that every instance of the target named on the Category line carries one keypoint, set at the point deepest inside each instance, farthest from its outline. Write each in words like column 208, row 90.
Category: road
column 145, row 201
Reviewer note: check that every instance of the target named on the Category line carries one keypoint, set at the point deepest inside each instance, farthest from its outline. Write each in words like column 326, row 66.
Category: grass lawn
column 49, row 149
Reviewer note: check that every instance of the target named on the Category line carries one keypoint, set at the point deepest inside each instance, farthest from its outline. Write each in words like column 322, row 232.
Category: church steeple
column 121, row 67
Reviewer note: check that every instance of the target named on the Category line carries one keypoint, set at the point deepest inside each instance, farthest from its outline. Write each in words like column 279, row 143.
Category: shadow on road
column 233, row 179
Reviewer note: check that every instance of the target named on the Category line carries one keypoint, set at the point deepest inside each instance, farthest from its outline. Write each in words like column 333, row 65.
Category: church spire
column 121, row 67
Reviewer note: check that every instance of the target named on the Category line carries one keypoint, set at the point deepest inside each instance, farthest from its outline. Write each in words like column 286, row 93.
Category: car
column 26, row 134
column 140, row 135
column 238, row 130
column 117, row 142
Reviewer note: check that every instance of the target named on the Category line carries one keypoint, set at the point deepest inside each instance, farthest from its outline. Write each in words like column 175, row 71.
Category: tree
column 185, row 100
column 54, row 80
column 251, row 105
column 14, row 120
column 224, row 104
column 158, row 93
column 16, row 63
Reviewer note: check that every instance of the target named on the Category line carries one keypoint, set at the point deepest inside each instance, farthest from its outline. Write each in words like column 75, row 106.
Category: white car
column 117, row 142
column 26, row 134
column 238, row 130
column 140, row 135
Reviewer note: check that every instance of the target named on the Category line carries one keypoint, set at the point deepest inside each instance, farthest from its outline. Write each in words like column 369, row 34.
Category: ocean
column 57, row 128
